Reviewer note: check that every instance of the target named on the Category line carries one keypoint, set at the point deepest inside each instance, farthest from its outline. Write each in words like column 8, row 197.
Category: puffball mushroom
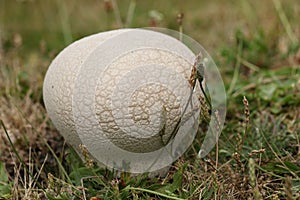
column 121, row 94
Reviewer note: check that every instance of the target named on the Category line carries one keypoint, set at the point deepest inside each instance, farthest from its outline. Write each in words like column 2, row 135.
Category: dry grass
column 259, row 150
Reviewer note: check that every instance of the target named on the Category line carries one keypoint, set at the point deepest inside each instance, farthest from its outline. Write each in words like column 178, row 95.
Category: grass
column 256, row 46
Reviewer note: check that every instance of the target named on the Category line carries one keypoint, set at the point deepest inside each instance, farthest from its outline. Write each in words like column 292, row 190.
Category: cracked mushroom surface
column 121, row 94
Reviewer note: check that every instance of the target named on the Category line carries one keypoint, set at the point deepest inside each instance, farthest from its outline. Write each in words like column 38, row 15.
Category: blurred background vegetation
column 256, row 47
column 214, row 24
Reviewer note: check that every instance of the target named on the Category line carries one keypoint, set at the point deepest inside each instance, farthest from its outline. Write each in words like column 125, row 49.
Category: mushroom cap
column 121, row 93
column 59, row 83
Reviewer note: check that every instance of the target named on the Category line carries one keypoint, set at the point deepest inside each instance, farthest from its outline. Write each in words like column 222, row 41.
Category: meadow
column 255, row 44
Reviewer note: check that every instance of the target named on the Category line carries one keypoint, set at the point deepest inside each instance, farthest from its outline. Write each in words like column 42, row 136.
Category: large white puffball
column 59, row 84
column 121, row 93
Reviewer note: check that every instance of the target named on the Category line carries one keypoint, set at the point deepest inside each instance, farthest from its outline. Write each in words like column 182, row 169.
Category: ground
column 256, row 45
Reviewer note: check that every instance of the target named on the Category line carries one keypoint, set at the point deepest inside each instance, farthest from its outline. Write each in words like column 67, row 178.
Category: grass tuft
column 258, row 153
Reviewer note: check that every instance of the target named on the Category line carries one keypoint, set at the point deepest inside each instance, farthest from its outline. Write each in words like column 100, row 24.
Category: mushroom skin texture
column 121, row 94
column 59, row 83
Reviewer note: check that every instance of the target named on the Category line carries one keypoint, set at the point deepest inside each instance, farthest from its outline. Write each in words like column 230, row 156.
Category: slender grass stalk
column 130, row 13
column 117, row 13
column 287, row 26
column 217, row 149
column 288, row 188
column 249, row 65
column 180, row 22
column 152, row 192
column 58, row 162
column 285, row 22
column 236, row 69
column 40, row 170
column 253, row 181
column 65, row 22
column 246, row 115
